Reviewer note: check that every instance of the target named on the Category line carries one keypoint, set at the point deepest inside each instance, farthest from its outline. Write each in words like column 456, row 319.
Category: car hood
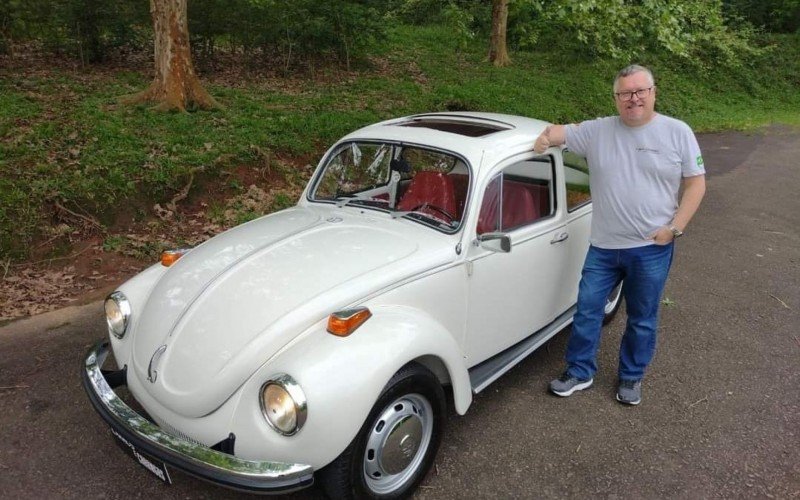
column 228, row 305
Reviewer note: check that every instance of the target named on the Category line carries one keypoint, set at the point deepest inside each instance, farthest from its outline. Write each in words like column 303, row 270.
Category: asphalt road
column 721, row 410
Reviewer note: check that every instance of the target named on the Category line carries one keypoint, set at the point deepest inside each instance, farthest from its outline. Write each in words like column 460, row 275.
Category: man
column 637, row 162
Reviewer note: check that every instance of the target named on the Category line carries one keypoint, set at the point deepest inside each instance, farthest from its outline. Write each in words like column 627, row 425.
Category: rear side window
column 576, row 173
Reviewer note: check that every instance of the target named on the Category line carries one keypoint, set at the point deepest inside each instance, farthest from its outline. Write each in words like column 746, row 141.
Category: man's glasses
column 627, row 96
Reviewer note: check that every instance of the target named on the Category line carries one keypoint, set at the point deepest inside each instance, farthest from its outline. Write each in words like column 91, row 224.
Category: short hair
column 633, row 68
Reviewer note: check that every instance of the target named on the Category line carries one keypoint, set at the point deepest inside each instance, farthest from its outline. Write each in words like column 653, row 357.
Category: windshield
column 419, row 184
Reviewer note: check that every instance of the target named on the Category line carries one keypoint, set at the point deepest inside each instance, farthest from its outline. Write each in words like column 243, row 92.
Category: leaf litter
column 104, row 259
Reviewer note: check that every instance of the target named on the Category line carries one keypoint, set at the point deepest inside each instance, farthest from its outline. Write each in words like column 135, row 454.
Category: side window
column 518, row 196
column 576, row 173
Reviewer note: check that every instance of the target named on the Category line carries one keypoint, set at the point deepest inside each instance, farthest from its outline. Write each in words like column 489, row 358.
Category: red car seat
column 430, row 189
column 518, row 207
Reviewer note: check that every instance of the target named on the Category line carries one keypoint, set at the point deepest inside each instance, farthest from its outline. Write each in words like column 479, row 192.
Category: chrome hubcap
column 613, row 298
column 401, row 445
column 397, row 443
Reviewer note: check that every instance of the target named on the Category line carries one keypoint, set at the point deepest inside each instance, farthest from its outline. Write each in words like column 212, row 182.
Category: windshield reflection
column 412, row 182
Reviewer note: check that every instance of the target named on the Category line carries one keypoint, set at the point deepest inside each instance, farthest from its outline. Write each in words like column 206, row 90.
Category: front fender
column 343, row 377
column 137, row 290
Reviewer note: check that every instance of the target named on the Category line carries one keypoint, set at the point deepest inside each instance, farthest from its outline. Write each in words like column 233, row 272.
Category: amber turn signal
column 169, row 257
column 343, row 323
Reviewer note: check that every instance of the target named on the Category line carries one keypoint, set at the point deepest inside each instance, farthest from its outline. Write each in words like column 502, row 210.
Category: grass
column 65, row 141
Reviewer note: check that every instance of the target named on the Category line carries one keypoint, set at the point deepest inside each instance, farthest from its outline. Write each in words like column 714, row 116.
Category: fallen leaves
column 41, row 286
column 29, row 291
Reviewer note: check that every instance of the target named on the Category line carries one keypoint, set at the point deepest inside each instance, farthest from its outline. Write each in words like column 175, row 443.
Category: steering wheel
column 440, row 210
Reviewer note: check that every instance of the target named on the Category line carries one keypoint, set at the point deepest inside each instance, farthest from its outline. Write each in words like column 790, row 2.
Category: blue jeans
column 644, row 271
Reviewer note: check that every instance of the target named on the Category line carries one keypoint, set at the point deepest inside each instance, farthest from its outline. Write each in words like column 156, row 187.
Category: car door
column 578, row 204
column 512, row 295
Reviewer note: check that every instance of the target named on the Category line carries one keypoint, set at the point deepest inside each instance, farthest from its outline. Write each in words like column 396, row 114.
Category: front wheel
column 396, row 445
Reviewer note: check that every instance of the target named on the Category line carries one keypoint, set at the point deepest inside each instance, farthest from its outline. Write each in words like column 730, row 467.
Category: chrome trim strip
column 201, row 461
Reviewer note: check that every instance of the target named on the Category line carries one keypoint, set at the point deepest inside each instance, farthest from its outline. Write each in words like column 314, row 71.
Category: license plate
column 156, row 467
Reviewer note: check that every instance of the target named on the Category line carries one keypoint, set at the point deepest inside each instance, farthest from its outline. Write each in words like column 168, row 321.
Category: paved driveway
column 721, row 410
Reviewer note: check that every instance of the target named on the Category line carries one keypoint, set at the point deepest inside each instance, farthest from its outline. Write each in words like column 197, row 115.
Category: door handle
column 559, row 237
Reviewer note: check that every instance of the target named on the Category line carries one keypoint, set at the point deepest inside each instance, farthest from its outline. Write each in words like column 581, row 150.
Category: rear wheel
column 396, row 445
column 613, row 302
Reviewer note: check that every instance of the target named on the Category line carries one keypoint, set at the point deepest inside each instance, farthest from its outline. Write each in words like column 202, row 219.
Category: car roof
column 475, row 136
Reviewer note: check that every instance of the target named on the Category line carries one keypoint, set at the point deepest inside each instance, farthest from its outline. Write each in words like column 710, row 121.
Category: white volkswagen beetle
column 429, row 250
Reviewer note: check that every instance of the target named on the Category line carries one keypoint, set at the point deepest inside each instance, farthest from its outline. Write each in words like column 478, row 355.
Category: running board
column 483, row 374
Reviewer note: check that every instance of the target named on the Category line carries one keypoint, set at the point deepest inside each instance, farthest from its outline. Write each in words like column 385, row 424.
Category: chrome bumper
column 201, row 461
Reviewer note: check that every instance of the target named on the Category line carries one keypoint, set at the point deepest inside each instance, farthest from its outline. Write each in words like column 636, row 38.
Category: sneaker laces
column 628, row 384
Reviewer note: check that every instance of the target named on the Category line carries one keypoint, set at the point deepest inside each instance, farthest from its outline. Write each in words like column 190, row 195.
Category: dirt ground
column 721, row 410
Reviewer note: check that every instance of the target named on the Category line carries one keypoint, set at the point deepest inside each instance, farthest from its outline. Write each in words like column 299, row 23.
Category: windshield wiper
column 421, row 215
column 344, row 200
column 347, row 199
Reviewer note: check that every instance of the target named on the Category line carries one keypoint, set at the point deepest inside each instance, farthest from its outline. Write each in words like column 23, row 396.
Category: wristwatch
column 676, row 233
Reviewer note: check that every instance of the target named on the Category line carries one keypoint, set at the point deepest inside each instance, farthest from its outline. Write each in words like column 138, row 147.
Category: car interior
column 518, row 196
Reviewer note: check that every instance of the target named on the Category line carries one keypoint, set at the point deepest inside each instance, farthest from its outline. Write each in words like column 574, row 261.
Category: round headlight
column 283, row 404
column 118, row 313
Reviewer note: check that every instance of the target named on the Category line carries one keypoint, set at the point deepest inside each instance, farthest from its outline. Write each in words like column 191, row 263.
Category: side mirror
column 495, row 242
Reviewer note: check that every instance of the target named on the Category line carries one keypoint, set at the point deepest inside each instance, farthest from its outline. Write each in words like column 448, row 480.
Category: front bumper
column 201, row 461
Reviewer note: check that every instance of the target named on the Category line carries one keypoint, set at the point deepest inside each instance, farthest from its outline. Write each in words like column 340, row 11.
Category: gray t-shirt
column 634, row 175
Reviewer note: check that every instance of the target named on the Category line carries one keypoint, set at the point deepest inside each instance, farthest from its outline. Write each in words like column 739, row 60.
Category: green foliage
column 464, row 19
column 459, row 22
column 113, row 243
column 692, row 30
column 64, row 138
column 287, row 33
column 85, row 29
column 289, row 30
column 774, row 16
column 421, row 12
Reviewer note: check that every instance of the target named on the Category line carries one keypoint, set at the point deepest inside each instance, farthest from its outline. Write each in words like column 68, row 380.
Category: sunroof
column 469, row 129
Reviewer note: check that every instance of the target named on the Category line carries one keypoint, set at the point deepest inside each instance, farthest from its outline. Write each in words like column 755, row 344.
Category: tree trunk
column 498, row 53
column 176, row 85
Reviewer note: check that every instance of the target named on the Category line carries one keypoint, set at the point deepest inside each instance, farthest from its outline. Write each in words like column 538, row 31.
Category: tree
column 498, row 51
column 176, row 85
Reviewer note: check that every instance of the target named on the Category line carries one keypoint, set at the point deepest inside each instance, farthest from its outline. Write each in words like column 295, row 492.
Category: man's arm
column 694, row 188
column 553, row 135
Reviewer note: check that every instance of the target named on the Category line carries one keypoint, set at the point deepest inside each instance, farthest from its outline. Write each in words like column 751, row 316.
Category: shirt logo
column 699, row 161
column 642, row 149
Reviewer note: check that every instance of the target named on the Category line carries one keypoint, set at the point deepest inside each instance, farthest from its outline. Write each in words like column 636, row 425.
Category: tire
column 613, row 302
column 381, row 462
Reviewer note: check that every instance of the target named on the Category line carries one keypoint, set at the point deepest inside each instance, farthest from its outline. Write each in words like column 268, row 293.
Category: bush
column 288, row 30
column 84, row 29
column 462, row 17
column 693, row 30
column 774, row 16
